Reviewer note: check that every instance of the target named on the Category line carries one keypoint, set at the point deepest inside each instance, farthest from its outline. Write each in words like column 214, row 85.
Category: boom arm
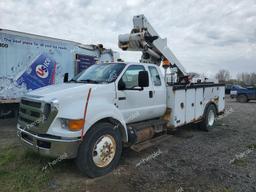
column 144, row 38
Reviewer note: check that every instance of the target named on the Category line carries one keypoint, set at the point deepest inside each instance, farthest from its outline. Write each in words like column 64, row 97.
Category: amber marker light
column 76, row 125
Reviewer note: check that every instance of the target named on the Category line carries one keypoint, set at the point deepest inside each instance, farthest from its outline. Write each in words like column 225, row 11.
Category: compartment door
column 190, row 105
column 179, row 107
column 221, row 104
column 199, row 107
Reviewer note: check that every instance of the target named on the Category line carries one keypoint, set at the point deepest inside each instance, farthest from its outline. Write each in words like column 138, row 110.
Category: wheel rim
column 104, row 151
column 211, row 118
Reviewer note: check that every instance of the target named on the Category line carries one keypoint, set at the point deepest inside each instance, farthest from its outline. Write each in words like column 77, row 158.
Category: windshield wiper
column 89, row 81
column 72, row 80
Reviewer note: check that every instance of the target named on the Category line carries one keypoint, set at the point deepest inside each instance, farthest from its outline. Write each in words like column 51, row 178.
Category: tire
column 209, row 118
column 89, row 160
column 242, row 99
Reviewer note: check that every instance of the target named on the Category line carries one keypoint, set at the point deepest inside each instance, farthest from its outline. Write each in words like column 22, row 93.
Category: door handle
column 150, row 94
column 121, row 98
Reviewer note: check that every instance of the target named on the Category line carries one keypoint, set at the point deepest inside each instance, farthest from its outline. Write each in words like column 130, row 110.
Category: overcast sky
column 204, row 35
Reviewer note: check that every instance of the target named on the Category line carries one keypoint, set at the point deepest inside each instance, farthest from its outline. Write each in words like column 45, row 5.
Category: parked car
column 243, row 94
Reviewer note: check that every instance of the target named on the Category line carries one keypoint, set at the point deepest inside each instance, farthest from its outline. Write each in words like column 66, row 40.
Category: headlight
column 64, row 123
column 72, row 124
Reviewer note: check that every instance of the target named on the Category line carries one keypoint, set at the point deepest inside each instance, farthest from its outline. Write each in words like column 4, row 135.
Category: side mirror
column 121, row 85
column 65, row 79
column 143, row 79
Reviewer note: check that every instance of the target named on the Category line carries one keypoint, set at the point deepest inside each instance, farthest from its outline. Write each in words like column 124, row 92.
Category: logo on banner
column 42, row 71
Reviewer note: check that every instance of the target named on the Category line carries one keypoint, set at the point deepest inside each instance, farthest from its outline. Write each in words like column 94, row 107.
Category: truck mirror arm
column 65, row 79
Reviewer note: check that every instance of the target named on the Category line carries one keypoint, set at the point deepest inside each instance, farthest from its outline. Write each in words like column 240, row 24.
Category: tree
column 223, row 76
column 247, row 78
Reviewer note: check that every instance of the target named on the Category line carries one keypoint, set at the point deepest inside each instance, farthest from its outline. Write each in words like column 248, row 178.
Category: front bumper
column 51, row 147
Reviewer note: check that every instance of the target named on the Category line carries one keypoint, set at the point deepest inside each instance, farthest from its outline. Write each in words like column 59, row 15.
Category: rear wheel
column 242, row 98
column 209, row 118
column 100, row 151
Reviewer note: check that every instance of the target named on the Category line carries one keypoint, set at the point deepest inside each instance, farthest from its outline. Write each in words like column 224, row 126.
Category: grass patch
column 240, row 162
column 21, row 170
column 252, row 146
column 227, row 190
column 7, row 156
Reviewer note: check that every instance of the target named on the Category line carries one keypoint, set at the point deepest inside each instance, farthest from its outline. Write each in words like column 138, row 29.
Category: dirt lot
column 223, row 159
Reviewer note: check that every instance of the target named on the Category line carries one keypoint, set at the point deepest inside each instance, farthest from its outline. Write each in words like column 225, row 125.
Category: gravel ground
column 190, row 160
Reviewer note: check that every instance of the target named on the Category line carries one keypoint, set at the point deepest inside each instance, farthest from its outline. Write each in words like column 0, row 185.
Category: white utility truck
column 114, row 105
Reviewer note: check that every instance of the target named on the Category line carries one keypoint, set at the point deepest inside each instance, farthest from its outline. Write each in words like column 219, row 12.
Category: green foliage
column 240, row 162
column 252, row 146
column 21, row 170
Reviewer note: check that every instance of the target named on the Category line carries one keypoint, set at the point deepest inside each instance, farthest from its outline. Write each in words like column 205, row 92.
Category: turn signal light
column 75, row 125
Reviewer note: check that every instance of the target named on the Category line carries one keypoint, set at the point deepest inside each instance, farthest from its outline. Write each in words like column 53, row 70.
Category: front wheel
column 100, row 151
column 209, row 118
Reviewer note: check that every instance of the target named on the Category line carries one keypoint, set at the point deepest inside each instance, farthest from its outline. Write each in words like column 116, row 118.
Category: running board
column 149, row 143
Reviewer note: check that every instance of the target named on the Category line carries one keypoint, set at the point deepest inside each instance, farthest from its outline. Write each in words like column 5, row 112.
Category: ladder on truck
column 154, row 49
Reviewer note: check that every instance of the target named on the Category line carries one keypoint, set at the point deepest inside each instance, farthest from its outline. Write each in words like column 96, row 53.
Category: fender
column 104, row 111
column 209, row 103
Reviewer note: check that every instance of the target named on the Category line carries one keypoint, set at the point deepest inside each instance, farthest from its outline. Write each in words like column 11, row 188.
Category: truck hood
column 70, row 98
column 61, row 90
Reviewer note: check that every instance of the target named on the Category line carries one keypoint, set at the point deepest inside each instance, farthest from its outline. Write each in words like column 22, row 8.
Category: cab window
column 130, row 76
column 154, row 76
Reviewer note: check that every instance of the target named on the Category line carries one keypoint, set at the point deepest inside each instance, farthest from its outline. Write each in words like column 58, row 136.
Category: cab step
column 146, row 130
column 149, row 143
column 157, row 124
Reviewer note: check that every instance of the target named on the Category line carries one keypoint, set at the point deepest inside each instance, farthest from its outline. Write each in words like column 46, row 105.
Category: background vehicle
column 29, row 62
column 243, row 94
column 113, row 105
column 228, row 89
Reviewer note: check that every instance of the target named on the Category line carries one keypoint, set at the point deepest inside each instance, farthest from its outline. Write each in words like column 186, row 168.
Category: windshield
column 100, row 73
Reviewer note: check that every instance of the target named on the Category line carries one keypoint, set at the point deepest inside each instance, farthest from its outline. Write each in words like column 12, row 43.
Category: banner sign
column 83, row 62
column 40, row 73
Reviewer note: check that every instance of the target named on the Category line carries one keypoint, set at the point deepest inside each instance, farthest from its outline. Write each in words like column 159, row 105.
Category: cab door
column 135, row 104
column 159, row 90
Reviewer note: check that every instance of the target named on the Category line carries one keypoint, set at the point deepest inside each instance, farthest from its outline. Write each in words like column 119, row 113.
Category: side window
column 130, row 77
column 154, row 76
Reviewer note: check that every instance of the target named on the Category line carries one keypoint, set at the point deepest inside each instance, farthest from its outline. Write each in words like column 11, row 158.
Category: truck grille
column 31, row 103
column 36, row 117
column 30, row 114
